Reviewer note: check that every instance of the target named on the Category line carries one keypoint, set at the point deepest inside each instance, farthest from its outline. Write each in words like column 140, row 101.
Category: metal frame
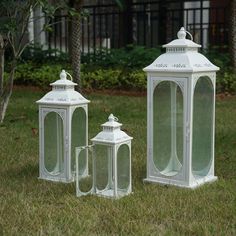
column 112, row 138
column 187, row 82
column 116, row 193
column 66, row 113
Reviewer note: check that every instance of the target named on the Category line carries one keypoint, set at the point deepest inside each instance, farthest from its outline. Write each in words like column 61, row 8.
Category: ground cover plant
column 29, row 206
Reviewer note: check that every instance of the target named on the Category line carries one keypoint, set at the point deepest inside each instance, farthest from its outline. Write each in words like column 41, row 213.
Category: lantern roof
column 63, row 93
column 181, row 56
column 111, row 132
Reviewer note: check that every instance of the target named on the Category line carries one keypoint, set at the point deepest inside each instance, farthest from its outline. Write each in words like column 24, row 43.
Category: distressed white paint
column 63, row 100
column 183, row 65
column 113, row 137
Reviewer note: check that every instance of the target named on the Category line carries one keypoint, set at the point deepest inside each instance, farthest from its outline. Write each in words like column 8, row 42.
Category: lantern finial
column 63, row 75
column 112, row 118
column 182, row 33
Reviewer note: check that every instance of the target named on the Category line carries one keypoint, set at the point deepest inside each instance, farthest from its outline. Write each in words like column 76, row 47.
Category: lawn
column 29, row 206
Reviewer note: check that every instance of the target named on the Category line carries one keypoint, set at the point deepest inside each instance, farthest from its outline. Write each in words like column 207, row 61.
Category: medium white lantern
column 63, row 125
column 181, row 115
column 109, row 163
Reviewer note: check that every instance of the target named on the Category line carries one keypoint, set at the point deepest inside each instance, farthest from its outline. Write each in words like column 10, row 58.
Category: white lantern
column 181, row 115
column 109, row 165
column 63, row 125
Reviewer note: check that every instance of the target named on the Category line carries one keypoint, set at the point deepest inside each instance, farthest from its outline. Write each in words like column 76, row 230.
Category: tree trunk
column 233, row 33
column 2, row 53
column 76, row 35
column 126, row 30
column 6, row 93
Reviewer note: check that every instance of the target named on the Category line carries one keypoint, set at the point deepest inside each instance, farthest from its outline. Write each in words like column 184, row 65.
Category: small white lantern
column 181, row 115
column 63, row 125
column 109, row 172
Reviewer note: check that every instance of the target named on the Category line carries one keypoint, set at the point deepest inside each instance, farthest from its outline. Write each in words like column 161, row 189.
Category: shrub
column 114, row 79
column 131, row 56
column 220, row 59
column 128, row 57
column 36, row 53
column 108, row 78
column 110, row 69
column 226, row 82
column 103, row 78
column 31, row 74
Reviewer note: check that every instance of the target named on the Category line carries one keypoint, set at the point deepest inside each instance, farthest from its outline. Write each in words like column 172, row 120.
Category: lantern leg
column 174, row 164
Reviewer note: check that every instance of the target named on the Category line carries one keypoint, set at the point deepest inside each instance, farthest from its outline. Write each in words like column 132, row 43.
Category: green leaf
column 72, row 12
column 47, row 28
column 120, row 3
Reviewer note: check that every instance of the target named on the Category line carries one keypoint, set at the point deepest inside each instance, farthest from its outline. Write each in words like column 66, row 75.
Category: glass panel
column 168, row 128
column 202, row 126
column 53, row 143
column 85, row 178
column 78, row 137
column 123, row 167
column 103, row 155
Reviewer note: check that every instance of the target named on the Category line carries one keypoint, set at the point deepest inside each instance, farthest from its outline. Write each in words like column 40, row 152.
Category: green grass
column 29, row 206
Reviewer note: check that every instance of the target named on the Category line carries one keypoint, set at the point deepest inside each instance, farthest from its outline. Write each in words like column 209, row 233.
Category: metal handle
column 71, row 78
column 191, row 37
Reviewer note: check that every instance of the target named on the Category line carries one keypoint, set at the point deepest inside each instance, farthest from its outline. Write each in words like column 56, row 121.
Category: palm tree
column 76, row 36
column 233, row 33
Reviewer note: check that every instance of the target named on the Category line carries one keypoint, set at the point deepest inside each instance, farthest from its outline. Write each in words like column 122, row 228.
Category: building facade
column 141, row 22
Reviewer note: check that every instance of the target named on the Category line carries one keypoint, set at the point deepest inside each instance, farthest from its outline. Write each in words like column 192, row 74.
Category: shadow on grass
column 27, row 171
column 25, row 178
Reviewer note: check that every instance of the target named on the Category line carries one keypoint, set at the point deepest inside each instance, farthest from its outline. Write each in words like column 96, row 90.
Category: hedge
column 109, row 78
column 104, row 78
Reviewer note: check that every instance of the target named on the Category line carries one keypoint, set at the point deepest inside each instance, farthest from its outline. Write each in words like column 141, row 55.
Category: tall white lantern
column 181, row 115
column 109, row 163
column 63, row 125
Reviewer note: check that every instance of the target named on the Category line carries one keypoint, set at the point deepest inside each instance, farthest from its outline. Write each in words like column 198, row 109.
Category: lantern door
column 108, row 170
column 85, row 163
column 203, row 127
column 113, row 169
column 100, row 170
column 123, row 163
column 167, row 128
column 105, row 169
column 79, row 129
column 52, row 163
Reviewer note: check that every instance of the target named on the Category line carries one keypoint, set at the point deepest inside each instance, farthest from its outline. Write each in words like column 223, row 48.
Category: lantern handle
column 182, row 34
column 191, row 37
column 112, row 118
column 69, row 76
column 63, row 75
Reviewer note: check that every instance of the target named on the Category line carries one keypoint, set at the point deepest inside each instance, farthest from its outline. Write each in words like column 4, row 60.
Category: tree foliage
column 15, row 16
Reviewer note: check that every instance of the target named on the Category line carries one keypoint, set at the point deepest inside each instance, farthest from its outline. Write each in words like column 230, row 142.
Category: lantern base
column 200, row 180
column 109, row 193
column 57, row 179
column 197, row 181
